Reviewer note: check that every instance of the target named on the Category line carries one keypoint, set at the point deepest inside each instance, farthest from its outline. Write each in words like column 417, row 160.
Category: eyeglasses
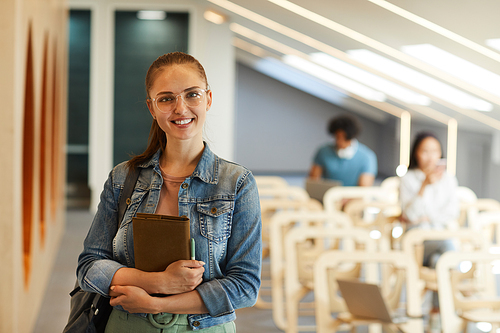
column 191, row 97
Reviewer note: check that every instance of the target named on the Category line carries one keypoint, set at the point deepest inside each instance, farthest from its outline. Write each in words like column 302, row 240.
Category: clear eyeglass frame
column 191, row 102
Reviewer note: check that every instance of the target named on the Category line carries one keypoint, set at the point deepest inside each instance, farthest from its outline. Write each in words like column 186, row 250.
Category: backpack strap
column 128, row 189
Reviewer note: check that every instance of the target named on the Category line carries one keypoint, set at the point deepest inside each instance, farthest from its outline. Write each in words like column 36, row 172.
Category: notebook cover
column 159, row 240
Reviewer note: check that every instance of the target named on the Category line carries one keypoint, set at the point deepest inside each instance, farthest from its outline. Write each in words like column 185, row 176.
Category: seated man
column 346, row 160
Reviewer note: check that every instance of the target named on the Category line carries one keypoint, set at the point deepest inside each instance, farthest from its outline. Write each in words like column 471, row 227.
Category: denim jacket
column 221, row 200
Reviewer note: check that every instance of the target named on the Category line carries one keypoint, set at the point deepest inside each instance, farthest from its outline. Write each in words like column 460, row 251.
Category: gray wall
column 278, row 129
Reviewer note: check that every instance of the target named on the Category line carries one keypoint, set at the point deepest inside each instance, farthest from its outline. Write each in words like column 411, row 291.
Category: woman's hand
column 431, row 176
column 181, row 276
column 132, row 299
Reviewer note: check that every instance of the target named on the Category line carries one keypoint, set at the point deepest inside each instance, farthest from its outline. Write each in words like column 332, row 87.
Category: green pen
column 192, row 249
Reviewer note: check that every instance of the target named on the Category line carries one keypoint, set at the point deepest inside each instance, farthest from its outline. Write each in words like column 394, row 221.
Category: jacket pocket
column 215, row 219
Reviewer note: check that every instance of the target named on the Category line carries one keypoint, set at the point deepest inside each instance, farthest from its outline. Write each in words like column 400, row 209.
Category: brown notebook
column 159, row 240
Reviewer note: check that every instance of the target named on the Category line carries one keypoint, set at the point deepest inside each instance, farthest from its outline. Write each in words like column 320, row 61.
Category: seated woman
column 428, row 196
column 348, row 161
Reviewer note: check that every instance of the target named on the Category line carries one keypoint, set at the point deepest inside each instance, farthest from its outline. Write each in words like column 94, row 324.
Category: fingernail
column 202, row 263
column 112, row 288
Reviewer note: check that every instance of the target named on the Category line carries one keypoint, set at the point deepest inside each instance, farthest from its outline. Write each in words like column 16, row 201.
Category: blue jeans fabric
column 221, row 200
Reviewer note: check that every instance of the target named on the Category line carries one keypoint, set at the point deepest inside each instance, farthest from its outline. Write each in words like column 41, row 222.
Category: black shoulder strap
column 128, row 189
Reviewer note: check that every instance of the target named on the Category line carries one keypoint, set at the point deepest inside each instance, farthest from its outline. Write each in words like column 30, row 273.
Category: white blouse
column 437, row 207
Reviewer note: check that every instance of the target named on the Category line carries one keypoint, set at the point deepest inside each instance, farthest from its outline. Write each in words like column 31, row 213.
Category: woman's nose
column 180, row 105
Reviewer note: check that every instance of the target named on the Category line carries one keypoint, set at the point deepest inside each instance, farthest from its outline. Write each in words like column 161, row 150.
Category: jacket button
column 214, row 210
column 196, row 323
column 184, row 185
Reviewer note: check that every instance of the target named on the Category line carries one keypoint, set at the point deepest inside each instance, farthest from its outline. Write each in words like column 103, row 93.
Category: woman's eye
column 165, row 99
column 193, row 94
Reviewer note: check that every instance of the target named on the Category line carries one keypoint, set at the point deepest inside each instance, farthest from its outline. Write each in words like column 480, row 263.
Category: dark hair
column 157, row 138
column 345, row 123
column 421, row 136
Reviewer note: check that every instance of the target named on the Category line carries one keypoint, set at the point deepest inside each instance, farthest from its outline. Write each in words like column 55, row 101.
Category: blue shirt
column 221, row 200
column 346, row 170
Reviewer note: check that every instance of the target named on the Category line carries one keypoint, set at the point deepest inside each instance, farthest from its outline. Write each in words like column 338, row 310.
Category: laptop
column 365, row 300
column 317, row 188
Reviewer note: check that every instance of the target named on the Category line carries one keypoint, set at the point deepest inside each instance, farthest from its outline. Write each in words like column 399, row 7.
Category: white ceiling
column 475, row 20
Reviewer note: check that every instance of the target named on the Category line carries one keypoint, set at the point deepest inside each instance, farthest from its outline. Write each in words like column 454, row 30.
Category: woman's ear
column 150, row 108
column 209, row 99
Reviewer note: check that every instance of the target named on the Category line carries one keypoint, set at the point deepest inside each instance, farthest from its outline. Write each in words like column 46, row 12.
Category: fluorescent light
column 456, row 66
column 381, row 47
column 375, row 234
column 494, row 43
column 151, row 15
column 437, row 29
column 404, row 139
column 333, row 78
column 369, row 79
column 420, row 81
column 214, row 17
column 451, row 148
column 401, row 170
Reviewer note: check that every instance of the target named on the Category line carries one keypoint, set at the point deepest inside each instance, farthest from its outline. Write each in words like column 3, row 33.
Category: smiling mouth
column 182, row 122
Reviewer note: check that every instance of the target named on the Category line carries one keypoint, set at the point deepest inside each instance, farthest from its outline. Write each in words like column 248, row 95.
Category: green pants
column 122, row 322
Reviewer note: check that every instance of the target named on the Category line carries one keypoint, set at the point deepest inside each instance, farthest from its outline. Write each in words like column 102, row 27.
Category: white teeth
column 183, row 122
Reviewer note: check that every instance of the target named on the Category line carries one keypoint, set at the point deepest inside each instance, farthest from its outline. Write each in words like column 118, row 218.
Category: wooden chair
column 270, row 182
column 481, row 212
column 269, row 207
column 303, row 245
column 467, row 198
column 397, row 259
column 281, row 223
column 413, row 245
column 275, row 195
column 391, row 184
column 488, row 224
column 336, row 197
column 459, row 308
column 375, row 216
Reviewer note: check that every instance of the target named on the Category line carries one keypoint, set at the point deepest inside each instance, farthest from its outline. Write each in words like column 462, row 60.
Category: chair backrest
column 332, row 201
column 466, row 199
column 303, row 245
column 475, row 209
column 413, row 240
column 391, row 184
column 288, row 192
column 488, row 224
column 451, row 298
column 280, row 223
column 270, row 182
column 331, row 259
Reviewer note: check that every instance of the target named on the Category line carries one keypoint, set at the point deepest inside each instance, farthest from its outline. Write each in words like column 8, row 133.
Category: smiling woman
column 178, row 175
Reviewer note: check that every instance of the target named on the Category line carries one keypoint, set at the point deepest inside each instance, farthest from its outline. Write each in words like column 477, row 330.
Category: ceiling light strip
column 275, row 45
column 404, row 138
column 263, row 40
column 491, row 122
column 249, row 47
column 301, row 11
column 437, row 29
column 451, row 148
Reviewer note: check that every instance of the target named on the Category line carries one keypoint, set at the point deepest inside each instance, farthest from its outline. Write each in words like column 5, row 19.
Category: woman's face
column 183, row 122
column 428, row 153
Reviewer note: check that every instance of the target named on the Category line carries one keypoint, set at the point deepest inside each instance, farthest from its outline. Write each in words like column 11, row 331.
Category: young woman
column 179, row 175
column 429, row 199
column 428, row 192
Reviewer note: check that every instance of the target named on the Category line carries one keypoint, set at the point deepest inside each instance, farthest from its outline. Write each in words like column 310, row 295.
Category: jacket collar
column 207, row 169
